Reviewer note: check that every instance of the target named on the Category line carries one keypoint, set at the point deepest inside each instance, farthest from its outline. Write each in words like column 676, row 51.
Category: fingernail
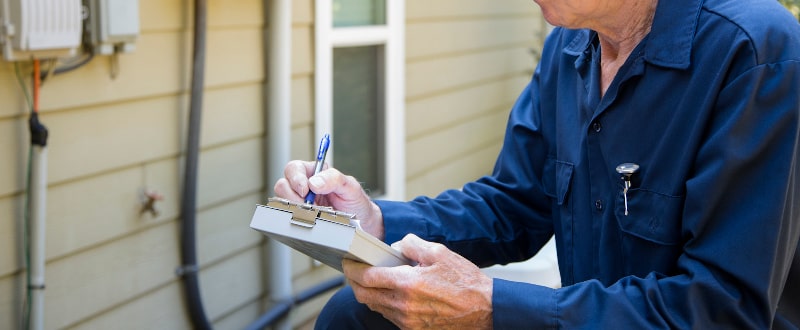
column 316, row 181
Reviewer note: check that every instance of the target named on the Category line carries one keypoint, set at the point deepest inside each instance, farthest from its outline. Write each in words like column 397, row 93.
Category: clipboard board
column 322, row 233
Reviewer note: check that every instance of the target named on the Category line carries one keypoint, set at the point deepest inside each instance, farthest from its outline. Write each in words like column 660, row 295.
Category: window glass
column 358, row 108
column 359, row 12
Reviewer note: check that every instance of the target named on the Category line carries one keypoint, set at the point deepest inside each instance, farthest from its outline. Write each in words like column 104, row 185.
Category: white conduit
column 278, row 135
column 38, row 205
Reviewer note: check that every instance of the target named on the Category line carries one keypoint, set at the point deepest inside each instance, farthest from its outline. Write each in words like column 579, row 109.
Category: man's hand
column 334, row 189
column 445, row 291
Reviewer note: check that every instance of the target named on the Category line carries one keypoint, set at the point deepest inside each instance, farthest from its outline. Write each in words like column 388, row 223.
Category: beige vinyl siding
column 467, row 61
column 109, row 266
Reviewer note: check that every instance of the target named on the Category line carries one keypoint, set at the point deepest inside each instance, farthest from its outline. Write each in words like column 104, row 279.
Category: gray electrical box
column 113, row 25
column 40, row 29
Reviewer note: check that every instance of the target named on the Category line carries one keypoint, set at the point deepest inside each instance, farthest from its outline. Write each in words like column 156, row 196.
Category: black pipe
column 281, row 309
column 189, row 269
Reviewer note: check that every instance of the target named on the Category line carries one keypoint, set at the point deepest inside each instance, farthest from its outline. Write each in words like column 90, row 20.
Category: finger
column 297, row 173
column 331, row 181
column 390, row 278
column 424, row 252
column 284, row 190
column 377, row 299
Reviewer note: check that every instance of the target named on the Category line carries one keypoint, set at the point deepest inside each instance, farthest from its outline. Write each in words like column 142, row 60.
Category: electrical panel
column 40, row 28
column 113, row 25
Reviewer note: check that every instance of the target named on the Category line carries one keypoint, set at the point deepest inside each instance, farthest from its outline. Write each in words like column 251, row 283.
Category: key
column 626, row 169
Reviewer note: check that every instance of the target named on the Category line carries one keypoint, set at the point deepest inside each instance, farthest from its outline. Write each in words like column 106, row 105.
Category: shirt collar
column 669, row 43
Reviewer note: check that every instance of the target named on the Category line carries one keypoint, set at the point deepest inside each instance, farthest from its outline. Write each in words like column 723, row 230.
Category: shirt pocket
column 652, row 216
column 556, row 179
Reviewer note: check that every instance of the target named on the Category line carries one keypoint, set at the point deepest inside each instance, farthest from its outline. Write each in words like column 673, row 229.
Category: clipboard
column 323, row 233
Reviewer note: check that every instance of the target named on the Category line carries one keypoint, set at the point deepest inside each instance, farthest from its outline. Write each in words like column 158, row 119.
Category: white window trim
column 392, row 37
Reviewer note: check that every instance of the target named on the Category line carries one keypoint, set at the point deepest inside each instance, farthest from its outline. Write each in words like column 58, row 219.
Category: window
column 360, row 91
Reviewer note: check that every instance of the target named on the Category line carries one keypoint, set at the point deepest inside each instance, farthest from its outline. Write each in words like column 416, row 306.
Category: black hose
column 189, row 269
column 281, row 309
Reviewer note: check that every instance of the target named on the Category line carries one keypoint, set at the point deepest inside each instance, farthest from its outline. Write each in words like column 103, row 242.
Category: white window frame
column 392, row 37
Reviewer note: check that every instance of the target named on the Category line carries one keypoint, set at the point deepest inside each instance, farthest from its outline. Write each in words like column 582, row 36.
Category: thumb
column 417, row 249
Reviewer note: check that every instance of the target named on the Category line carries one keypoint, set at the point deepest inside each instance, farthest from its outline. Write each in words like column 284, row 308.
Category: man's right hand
column 334, row 189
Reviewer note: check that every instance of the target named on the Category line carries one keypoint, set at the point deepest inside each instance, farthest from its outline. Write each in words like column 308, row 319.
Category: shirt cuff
column 400, row 219
column 518, row 305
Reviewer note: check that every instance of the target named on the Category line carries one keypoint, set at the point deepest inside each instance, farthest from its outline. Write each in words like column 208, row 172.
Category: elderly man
column 658, row 142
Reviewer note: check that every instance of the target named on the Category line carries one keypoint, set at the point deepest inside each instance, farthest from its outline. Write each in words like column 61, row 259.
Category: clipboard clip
column 306, row 215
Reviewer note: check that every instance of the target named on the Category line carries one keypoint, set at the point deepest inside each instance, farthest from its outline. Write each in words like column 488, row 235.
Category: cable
column 282, row 308
column 189, row 269
column 38, row 137
column 26, row 307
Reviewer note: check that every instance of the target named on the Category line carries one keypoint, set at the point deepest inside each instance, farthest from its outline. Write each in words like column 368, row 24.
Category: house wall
column 111, row 138
column 467, row 61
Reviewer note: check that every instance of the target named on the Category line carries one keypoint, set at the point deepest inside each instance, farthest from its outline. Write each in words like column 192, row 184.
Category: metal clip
column 306, row 215
column 626, row 169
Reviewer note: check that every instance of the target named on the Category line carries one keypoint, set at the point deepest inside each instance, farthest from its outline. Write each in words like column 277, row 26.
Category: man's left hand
column 443, row 291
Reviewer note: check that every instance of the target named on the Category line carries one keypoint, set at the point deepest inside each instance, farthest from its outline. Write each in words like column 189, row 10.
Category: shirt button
column 597, row 127
column 598, row 205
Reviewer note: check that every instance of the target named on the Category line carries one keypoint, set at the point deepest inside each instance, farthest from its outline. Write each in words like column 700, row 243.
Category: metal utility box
column 114, row 25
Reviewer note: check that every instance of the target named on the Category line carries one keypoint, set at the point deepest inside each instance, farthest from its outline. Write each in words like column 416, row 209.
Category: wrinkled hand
column 334, row 189
column 445, row 291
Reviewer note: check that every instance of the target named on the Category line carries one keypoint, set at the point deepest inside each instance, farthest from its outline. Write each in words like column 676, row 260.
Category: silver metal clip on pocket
column 626, row 169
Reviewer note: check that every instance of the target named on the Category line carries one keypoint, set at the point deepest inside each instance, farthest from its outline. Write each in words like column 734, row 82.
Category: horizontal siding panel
column 160, row 65
column 240, row 318
column 447, row 37
column 86, row 212
column 163, row 308
column 226, row 13
column 430, row 76
column 431, row 113
column 436, row 149
column 225, row 229
column 11, row 230
column 110, row 274
column 107, row 137
column 13, row 100
column 160, row 15
column 449, row 9
column 231, row 114
column 234, row 56
column 14, row 144
column 144, row 130
column 302, row 50
column 302, row 145
column 455, row 173
column 11, row 297
column 232, row 282
column 303, row 12
column 302, row 100
column 229, row 171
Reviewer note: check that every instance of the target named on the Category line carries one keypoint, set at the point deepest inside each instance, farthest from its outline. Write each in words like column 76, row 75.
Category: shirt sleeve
column 482, row 221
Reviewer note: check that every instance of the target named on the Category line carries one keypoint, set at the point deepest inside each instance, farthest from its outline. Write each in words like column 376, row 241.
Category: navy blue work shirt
column 707, row 105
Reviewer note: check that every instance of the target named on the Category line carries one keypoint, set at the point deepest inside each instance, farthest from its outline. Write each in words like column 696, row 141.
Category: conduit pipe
column 189, row 268
column 38, row 207
column 279, row 81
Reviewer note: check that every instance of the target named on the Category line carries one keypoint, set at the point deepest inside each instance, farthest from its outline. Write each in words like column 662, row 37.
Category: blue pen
column 323, row 151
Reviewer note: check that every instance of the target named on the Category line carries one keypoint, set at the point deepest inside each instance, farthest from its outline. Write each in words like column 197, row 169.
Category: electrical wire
column 26, row 307
column 68, row 65
column 37, row 82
